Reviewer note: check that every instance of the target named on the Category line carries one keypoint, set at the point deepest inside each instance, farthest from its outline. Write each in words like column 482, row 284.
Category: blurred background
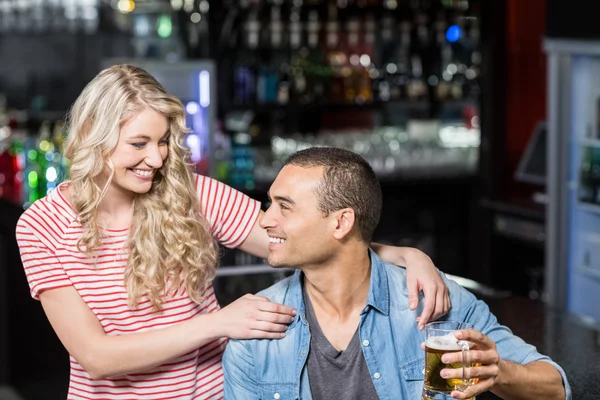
column 480, row 117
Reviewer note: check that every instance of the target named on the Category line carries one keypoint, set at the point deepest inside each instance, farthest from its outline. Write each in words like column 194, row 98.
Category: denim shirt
column 390, row 341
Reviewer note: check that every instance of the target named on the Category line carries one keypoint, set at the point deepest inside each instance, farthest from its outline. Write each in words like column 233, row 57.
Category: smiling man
column 354, row 336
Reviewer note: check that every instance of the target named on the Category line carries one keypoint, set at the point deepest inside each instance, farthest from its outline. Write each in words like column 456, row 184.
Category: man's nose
column 267, row 220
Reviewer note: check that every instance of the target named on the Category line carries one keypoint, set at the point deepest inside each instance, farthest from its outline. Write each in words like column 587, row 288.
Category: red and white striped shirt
column 47, row 235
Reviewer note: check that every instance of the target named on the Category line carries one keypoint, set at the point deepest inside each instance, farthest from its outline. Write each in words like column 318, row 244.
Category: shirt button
column 365, row 342
column 376, row 375
column 366, row 308
column 276, row 396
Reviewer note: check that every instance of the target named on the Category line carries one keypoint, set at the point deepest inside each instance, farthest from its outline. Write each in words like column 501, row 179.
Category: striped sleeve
column 42, row 268
column 230, row 213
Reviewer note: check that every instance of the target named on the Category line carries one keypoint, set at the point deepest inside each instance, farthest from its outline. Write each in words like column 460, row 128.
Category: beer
column 435, row 348
column 440, row 340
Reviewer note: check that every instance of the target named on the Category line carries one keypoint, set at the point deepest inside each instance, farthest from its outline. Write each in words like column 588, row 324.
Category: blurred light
column 453, row 33
column 49, row 156
column 391, row 4
column 51, row 174
column 32, row 179
column 193, row 143
column 4, row 132
column 165, row 28
column 204, row 89
column 195, row 17
column 365, row 60
column 433, row 80
column 191, row 108
column 447, row 76
column 176, row 4
column 391, row 68
column 354, row 59
column 126, row 6
column 141, row 25
column 31, row 154
column 374, row 73
column 90, row 13
column 188, row 5
column 204, row 6
column 452, row 68
column 44, row 145
column 470, row 73
column 70, row 12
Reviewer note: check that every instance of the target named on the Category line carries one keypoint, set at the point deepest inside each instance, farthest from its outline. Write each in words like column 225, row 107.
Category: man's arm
column 238, row 371
column 536, row 380
column 509, row 380
column 499, row 350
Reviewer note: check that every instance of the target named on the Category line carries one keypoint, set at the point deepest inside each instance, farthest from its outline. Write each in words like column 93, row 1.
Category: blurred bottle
column 242, row 162
column 595, row 179
column 587, row 189
column 245, row 72
column 268, row 78
column 222, row 152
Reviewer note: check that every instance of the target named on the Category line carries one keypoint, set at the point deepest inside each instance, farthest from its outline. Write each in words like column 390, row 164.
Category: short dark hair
column 348, row 182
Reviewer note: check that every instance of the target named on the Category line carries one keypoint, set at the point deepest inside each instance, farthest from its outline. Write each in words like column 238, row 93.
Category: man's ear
column 345, row 220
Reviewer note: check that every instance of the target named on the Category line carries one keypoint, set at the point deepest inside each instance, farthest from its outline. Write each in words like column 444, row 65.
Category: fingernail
column 458, row 335
column 293, row 312
column 445, row 359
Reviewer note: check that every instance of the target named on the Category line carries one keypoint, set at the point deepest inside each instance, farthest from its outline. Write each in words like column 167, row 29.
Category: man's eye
column 283, row 207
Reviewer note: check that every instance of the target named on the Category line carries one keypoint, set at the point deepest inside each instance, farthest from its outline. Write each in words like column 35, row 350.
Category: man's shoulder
column 277, row 292
column 396, row 276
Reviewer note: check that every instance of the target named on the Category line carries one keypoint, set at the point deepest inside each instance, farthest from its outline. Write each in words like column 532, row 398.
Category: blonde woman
column 122, row 256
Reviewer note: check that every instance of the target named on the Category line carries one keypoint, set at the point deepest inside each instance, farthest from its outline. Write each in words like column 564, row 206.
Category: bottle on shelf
column 245, row 72
column 587, row 190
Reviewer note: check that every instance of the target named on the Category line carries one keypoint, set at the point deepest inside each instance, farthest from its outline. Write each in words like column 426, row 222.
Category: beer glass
column 439, row 340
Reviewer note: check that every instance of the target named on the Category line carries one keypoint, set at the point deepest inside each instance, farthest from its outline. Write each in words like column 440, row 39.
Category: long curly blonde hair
column 169, row 240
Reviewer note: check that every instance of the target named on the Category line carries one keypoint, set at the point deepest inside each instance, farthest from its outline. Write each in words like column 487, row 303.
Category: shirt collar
column 378, row 298
column 379, row 292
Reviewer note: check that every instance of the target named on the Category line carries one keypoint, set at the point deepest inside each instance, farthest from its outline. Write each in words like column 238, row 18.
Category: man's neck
column 340, row 288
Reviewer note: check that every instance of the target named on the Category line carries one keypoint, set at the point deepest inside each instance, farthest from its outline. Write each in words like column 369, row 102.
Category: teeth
column 276, row 240
column 142, row 172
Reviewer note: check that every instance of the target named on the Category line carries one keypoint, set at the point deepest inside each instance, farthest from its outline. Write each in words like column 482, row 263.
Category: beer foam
column 447, row 342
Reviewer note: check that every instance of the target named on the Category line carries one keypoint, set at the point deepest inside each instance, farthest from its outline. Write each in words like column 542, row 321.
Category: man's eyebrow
column 281, row 198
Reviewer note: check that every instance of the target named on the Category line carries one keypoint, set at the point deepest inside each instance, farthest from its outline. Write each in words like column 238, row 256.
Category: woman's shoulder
column 51, row 211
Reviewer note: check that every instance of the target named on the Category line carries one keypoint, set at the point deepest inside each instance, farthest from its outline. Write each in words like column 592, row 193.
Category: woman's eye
column 138, row 145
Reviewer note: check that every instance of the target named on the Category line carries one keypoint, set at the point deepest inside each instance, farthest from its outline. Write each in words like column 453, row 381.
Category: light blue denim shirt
column 391, row 342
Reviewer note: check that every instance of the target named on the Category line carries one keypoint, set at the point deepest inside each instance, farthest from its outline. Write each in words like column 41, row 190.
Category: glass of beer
column 439, row 340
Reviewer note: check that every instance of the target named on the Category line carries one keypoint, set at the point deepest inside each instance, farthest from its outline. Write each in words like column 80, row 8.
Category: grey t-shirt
column 336, row 374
